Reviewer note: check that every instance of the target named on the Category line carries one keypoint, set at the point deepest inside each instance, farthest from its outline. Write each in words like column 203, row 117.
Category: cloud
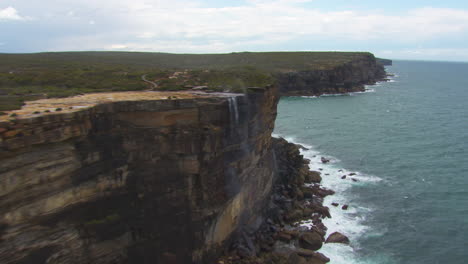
column 194, row 26
column 10, row 13
column 427, row 53
column 277, row 21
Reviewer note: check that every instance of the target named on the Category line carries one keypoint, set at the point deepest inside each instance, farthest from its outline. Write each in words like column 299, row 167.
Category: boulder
column 324, row 160
column 282, row 236
column 323, row 192
column 345, row 207
column 312, row 256
column 296, row 259
column 335, row 204
column 310, row 240
column 343, row 177
column 293, row 233
column 294, row 215
column 320, row 228
column 337, row 238
column 308, row 212
column 313, row 177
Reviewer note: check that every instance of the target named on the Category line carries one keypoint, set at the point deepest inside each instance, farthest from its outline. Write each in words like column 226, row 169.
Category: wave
column 349, row 222
column 367, row 90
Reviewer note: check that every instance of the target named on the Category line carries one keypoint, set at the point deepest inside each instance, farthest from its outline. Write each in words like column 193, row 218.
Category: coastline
column 306, row 200
column 297, row 198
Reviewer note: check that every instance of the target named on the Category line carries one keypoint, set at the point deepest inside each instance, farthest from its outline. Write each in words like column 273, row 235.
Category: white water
column 367, row 90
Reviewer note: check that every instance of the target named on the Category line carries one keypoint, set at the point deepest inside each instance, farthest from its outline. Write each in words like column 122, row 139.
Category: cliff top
column 43, row 107
column 26, row 77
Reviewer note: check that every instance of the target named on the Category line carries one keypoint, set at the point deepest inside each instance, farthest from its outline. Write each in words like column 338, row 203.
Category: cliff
column 350, row 76
column 139, row 177
column 385, row 62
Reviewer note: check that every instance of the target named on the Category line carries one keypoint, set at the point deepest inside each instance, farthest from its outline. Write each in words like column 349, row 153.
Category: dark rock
column 335, row 204
column 301, row 147
column 325, row 212
column 169, row 258
column 294, row 215
column 296, row 259
column 343, row 177
column 352, row 174
column 337, row 238
column 310, row 240
column 312, row 256
column 313, row 177
column 344, row 207
column 354, row 180
column 244, row 252
column 308, row 212
column 293, row 233
column 323, row 192
column 299, row 194
column 320, row 229
column 282, row 236
column 324, row 160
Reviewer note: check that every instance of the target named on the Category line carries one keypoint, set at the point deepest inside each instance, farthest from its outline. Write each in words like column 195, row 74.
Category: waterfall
column 233, row 109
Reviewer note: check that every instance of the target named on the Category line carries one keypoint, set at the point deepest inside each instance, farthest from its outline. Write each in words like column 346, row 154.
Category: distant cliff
column 344, row 78
column 128, row 180
column 385, row 62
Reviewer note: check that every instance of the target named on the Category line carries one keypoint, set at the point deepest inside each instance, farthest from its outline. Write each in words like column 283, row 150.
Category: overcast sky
column 398, row 29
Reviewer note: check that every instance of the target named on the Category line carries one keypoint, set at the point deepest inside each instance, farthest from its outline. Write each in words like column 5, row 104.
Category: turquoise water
column 407, row 140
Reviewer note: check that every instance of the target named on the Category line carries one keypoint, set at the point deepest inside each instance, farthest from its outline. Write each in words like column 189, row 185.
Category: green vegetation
column 42, row 75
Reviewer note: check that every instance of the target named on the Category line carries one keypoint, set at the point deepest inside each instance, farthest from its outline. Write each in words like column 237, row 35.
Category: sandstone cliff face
column 345, row 78
column 152, row 181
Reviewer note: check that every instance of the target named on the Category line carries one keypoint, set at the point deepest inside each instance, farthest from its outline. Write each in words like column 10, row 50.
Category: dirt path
column 143, row 78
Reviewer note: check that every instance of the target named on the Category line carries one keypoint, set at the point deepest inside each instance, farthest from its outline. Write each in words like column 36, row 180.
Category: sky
column 397, row 29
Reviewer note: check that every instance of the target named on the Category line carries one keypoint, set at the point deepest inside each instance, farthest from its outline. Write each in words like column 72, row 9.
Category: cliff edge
column 136, row 177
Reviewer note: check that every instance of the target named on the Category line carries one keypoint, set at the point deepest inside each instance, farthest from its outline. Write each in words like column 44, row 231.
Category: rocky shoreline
column 297, row 196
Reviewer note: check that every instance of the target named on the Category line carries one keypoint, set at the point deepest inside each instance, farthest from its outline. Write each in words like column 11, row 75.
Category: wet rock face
column 135, row 182
column 349, row 77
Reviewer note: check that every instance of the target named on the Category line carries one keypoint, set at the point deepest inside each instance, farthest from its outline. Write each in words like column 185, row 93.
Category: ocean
column 407, row 142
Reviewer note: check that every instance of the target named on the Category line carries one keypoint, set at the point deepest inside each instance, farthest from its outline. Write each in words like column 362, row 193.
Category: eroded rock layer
column 135, row 181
